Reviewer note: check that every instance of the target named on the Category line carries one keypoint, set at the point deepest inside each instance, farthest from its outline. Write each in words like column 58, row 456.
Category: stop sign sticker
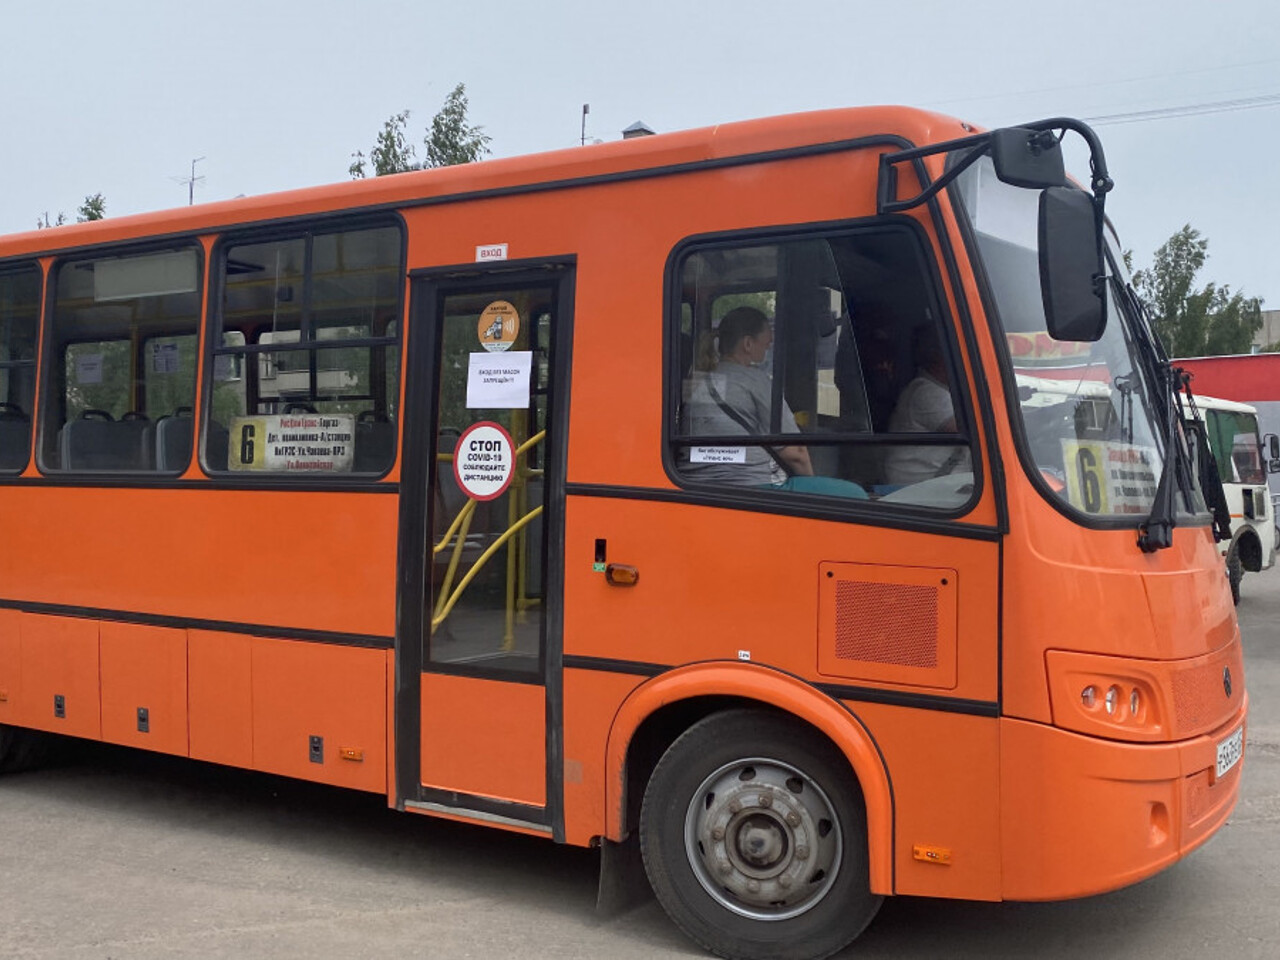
column 484, row 460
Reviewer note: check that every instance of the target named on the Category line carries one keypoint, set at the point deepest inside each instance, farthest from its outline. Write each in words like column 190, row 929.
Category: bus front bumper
column 1081, row 815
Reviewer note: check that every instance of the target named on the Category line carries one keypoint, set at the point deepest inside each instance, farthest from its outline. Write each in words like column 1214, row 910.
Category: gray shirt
column 748, row 392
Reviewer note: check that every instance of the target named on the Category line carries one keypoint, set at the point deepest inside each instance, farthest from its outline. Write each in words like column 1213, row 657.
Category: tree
column 451, row 140
column 1195, row 322
column 391, row 154
column 93, row 208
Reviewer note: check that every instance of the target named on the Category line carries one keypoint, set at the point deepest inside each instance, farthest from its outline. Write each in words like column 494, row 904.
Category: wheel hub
column 762, row 839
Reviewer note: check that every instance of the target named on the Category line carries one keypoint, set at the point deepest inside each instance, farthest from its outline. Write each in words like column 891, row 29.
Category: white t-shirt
column 924, row 407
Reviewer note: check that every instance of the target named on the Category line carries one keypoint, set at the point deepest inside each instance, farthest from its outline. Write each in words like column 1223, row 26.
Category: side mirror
column 1028, row 158
column 1273, row 447
column 1075, row 305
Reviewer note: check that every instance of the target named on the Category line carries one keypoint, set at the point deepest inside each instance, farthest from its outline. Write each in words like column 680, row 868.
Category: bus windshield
column 1086, row 409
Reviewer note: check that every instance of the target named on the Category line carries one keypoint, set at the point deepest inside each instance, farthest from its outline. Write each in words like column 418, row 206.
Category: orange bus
column 799, row 503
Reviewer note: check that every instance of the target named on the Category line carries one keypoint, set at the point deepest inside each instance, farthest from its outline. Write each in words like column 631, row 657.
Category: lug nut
column 793, row 819
column 802, row 852
column 717, row 833
column 766, row 800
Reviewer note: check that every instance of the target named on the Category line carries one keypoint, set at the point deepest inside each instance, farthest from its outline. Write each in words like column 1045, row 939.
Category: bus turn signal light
column 621, row 575
column 352, row 753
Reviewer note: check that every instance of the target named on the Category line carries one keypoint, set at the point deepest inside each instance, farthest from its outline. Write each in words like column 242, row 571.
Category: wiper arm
column 1156, row 532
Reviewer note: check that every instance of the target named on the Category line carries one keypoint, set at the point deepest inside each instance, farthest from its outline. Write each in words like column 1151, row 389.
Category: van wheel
column 1235, row 573
column 754, row 838
column 21, row 749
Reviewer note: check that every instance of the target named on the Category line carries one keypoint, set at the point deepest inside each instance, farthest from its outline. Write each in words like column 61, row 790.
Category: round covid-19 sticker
column 498, row 327
column 484, row 460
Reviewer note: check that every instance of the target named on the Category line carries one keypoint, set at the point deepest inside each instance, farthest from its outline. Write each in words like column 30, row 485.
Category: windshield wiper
column 1156, row 532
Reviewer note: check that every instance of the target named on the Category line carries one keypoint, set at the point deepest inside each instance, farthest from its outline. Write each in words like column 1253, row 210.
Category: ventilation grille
column 1200, row 701
column 893, row 623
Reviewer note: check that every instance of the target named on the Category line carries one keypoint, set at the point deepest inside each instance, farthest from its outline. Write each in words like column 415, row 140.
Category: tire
column 21, row 749
column 1235, row 573
column 754, row 837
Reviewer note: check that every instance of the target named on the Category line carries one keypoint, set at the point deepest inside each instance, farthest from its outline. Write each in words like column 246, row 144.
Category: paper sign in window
column 717, row 454
column 499, row 381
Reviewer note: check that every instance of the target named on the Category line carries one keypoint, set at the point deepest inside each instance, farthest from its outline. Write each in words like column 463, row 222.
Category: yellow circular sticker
column 499, row 326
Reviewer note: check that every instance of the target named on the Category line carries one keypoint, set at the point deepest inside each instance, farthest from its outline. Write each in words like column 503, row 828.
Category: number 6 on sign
column 1086, row 481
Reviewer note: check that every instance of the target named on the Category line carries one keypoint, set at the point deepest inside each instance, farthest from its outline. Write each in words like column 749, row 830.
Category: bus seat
column 172, row 438
column 15, row 434
column 375, row 443
column 97, row 442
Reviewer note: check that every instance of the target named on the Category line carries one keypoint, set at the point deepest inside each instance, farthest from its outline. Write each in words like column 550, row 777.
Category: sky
column 119, row 97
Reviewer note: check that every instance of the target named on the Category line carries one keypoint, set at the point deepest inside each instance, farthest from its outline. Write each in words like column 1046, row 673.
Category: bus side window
column 306, row 367
column 124, row 331
column 814, row 360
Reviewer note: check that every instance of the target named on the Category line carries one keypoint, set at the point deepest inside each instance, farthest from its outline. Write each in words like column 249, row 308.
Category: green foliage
column 392, row 153
column 450, row 140
column 1195, row 322
column 93, row 208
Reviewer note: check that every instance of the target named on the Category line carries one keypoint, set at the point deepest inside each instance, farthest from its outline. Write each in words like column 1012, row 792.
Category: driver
column 733, row 395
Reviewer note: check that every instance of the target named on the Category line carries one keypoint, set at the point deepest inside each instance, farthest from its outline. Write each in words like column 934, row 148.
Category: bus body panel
column 303, row 561
column 144, row 668
column 1160, row 802
column 714, row 586
column 485, row 738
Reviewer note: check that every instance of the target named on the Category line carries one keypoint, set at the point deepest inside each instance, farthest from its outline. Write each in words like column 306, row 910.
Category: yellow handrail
column 481, row 561
column 516, row 572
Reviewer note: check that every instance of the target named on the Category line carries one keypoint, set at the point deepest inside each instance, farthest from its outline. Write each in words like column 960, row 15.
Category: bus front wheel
column 754, row 838
column 1235, row 573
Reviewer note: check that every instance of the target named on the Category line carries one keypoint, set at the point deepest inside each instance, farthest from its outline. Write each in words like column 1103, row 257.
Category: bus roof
column 1217, row 403
column 1252, row 377
column 574, row 166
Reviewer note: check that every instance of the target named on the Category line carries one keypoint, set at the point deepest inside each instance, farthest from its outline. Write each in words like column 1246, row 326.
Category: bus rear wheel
column 754, row 838
column 20, row 749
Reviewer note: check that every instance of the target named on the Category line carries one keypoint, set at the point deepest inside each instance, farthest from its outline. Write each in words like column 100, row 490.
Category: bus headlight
column 1106, row 697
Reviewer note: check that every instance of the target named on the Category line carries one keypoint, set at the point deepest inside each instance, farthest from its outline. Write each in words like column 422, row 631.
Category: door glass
column 487, row 578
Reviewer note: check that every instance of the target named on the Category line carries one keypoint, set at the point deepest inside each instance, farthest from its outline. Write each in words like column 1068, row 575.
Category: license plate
column 1230, row 750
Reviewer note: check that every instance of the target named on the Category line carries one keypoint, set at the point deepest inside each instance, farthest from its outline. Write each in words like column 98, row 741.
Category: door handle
column 621, row 575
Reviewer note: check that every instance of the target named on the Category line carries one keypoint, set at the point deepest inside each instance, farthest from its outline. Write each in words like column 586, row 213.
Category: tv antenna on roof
column 191, row 181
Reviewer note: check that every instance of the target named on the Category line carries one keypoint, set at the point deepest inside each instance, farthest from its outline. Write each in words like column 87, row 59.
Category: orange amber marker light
column 4, row 696
column 621, row 575
column 931, row 854
column 351, row 753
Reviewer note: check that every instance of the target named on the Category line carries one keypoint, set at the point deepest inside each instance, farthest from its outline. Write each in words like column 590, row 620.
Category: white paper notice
column 499, row 381
column 717, row 454
column 89, row 368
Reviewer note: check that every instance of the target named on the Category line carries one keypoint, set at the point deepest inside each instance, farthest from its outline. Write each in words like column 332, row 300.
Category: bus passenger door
column 478, row 640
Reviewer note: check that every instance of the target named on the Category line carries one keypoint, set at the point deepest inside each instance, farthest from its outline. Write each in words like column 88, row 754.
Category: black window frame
column 307, row 228
column 808, row 504
column 15, row 269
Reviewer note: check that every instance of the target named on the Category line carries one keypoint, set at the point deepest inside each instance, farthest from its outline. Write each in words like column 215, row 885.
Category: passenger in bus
column 732, row 394
column 925, row 407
